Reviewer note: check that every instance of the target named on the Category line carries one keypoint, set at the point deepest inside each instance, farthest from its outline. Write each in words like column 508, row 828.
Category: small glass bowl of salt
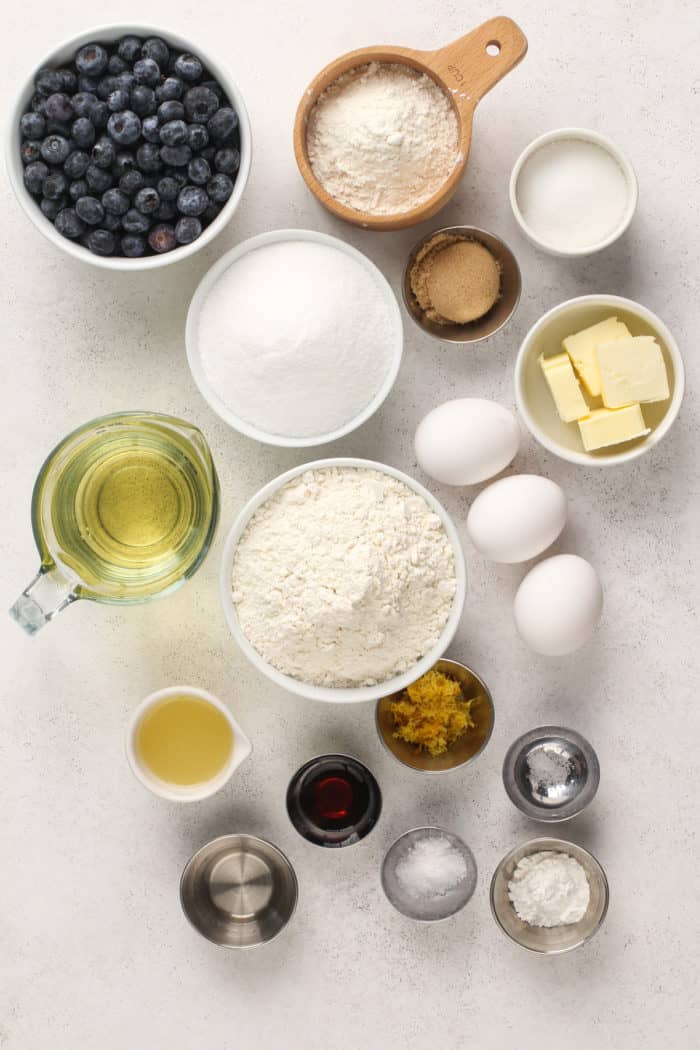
column 551, row 773
column 429, row 874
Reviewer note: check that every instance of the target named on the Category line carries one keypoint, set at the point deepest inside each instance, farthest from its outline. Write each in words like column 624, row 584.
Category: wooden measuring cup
column 465, row 70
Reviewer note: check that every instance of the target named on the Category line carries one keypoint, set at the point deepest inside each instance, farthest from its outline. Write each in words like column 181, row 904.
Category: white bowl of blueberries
column 129, row 147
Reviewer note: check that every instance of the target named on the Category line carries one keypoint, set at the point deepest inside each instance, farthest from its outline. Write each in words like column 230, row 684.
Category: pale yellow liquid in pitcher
column 132, row 511
column 184, row 740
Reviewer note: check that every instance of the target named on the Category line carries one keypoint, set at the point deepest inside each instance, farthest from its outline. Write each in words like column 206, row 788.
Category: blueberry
column 59, row 107
column 168, row 188
column 30, row 150
column 176, row 156
column 55, row 149
column 165, row 212
column 103, row 152
column 171, row 109
column 135, row 222
column 129, row 48
column 91, row 60
column 36, row 103
column 117, row 65
column 198, row 171
column 188, row 67
column 88, row 84
column 106, row 86
column 171, row 88
column 57, row 127
column 98, row 179
column 33, row 126
column 115, row 201
column 150, row 128
column 162, row 238
column 125, row 161
column 34, row 175
column 101, row 242
column 48, row 82
column 147, row 72
column 69, row 81
column 216, row 87
column 126, row 81
column 197, row 137
column 156, row 49
column 69, row 224
column 147, row 200
column 55, row 185
column 133, row 247
column 179, row 176
column 220, row 188
column 143, row 100
column 223, row 124
column 208, row 153
column 200, row 104
column 117, row 100
column 83, row 101
column 51, row 208
column 227, row 161
column 89, row 210
column 124, row 127
column 188, row 229
column 174, row 132
column 212, row 210
column 76, row 164
column 77, row 189
column 192, row 200
column 83, row 132
column 99, row 114
column 131, row 182
column 111, row 222
column 148, row 158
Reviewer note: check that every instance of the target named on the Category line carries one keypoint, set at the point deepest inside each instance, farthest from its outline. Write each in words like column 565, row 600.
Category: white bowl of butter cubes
column 599, row 380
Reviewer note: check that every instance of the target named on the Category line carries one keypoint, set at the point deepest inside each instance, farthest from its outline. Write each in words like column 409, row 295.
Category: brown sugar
column 455, row 280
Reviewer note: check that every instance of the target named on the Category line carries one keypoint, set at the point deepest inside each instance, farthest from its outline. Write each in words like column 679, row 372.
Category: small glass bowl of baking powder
column 550, row 940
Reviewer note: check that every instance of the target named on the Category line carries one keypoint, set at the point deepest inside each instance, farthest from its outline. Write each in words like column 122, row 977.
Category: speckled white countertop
column 95, row 951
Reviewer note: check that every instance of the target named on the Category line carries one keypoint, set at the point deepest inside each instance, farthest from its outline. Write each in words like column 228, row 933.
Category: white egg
column 466, row 441
column 558, row 605
column 516, row 518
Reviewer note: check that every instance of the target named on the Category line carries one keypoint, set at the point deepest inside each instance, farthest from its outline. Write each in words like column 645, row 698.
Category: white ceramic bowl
column 534, row 399
column 62, row 54
column 324, row 693
column 242, row 748
column 598, row 140
column 210, row 394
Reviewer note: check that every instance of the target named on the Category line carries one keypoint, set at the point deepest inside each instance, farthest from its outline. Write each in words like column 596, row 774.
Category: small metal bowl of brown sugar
column 461, row 284
column 440, row 722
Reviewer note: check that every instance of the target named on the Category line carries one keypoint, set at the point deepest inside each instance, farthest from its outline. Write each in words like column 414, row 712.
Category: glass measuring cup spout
column 48, row 593
column 123, row 510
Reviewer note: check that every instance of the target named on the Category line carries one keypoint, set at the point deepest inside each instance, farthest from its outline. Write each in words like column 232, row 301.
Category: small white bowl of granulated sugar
column 294, row 338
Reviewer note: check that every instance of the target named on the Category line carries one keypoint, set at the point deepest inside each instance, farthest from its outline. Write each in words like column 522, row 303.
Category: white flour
column 297, row 338
column 382, row 140
column 549, row 889
column 345, row 577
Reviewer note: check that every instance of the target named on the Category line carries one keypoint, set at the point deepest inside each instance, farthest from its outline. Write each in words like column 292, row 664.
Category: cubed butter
column 564, row 387
column 612, row 426
column 632, row 370
column 581, row 348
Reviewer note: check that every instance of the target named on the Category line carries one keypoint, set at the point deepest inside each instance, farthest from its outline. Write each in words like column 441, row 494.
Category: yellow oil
column 184, row 740
column 132, row 509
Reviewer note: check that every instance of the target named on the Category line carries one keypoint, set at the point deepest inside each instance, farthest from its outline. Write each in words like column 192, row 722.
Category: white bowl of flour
column 294, row 338
column 343, row 580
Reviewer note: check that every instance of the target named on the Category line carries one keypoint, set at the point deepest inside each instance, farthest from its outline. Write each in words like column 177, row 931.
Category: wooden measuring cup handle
column 469, row 69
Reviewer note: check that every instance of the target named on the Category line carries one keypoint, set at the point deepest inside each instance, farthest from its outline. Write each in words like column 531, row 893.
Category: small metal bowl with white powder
column 294, row 338
column 343, row 580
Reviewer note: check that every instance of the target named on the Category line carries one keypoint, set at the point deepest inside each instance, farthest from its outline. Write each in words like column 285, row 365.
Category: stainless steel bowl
column 427, row 909
column 471, row 744
column 553, row 798
column 501, row 311
column 556, row 939
column 238, row 891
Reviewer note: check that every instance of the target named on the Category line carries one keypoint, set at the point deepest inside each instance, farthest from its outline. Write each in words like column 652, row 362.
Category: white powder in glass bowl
column 345, row 577
column 297, row 338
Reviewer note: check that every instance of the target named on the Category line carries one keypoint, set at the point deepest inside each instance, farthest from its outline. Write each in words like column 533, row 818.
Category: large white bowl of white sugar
column 343, row 580
column 294, row 338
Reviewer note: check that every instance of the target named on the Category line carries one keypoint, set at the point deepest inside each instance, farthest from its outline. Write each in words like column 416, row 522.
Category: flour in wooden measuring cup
column 297, row 338
column 382, row 138
column 345, row 577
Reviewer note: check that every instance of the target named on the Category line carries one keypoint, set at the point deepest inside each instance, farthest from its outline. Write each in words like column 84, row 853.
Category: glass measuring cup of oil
column 124, row 509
